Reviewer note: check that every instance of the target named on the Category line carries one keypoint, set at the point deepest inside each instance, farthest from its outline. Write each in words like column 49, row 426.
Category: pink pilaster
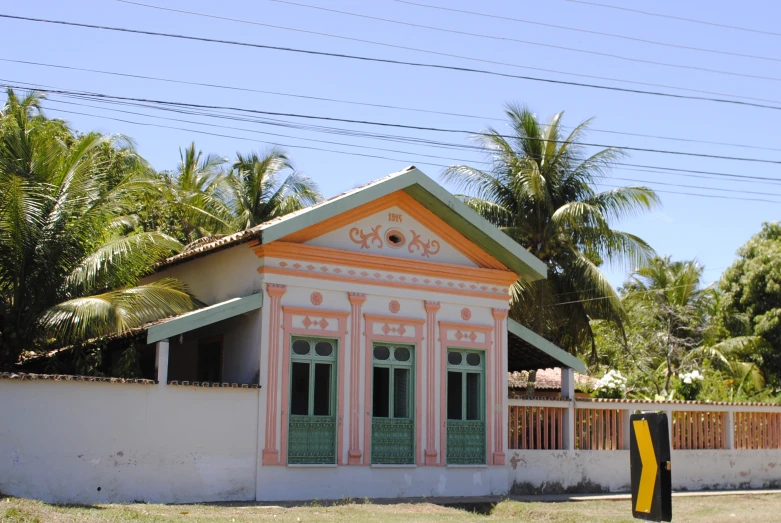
column 356, row 303
column 431, row 354
column 271, row 451
column 499, row 385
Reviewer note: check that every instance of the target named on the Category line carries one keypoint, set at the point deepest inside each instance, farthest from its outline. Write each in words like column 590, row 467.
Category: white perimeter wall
column 553, row 470
column 61, row 441
column 82, row 442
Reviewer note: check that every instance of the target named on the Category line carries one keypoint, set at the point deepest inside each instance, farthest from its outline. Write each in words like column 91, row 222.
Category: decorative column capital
column 431, row 306
column 276, row 289
column 356, row 297
column 499, row 314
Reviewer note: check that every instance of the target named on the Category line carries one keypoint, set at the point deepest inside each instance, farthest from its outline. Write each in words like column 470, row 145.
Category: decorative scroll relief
column 398, row 233
column 315, row 324
column 467, row 335
column 395, row 329
column 394, row 238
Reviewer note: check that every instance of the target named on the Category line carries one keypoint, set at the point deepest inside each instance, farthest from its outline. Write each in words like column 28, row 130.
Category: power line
column 364, row 155
column 477, row 35
column 764, row 193
column 587, row 31
column 672, row 17
column 404, row 126
column 256, row 131
column 702, row 195
column 649, row 291
column 383, row 149
column 395, row 62
column 367, row 104
column 419, row 141
column 386, row 158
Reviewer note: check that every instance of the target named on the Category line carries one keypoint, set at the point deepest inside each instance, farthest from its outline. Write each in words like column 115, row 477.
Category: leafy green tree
column 69, row 255
column 540, row 189
column 264, row 186
column 751, row 307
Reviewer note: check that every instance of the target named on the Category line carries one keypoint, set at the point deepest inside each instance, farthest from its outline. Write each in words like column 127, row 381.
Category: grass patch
column 732, row 508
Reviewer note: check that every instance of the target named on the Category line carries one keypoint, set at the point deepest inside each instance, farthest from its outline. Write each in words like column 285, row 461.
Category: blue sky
column 685, row 226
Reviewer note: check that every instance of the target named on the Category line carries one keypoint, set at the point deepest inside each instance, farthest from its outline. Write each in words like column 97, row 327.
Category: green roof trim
column 432, row 196
column 202, row 317
column 532, row 338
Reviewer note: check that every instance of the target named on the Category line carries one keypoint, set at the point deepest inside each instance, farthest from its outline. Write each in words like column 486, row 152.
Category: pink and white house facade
column 360, row 347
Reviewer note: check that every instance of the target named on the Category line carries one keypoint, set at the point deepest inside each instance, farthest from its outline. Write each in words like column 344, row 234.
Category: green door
column 465, row 407
column 312, row 425
column 393, row 405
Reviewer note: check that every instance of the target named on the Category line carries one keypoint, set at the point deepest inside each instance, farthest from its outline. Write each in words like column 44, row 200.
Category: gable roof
column 420, row 187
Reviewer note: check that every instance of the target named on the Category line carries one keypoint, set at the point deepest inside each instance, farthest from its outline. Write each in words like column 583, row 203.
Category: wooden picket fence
column 599, row 429
column 757, row 430
column 536, row 427
column 539, row 424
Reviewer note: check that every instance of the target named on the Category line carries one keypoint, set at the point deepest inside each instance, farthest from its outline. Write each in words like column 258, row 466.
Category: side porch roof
column 527, row 350
column 203, row 317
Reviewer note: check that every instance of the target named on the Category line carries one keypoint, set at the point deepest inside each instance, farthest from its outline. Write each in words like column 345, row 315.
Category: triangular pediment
column 396, row 226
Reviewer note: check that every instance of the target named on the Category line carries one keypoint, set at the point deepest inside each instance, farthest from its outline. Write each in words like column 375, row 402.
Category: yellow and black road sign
column 649, row 455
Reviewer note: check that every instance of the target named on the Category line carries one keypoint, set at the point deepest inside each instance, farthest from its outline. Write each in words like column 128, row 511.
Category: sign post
column 650, row 467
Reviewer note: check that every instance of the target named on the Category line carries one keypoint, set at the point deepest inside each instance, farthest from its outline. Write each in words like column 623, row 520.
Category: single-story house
column 368, row 341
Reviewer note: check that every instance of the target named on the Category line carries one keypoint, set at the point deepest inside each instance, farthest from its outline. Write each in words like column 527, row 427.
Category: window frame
column 312, row 359
column 464, row 369
column 391, row 364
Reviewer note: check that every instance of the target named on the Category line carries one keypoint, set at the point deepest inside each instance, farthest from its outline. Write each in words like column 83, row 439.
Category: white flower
column 687, row 380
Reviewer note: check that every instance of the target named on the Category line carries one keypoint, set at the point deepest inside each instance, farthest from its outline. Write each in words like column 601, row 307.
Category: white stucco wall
column 82, row 442
column 551, row 471
column 218, row 276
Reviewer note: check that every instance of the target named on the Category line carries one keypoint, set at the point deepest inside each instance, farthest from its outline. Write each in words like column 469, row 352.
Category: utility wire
column 672, row 17
column 587, row 31
column 359, row 154
column 634, row 293
column 389, row 150
column 477, row 35
column 395, row 62
column 417, row 141
column 367, row 104
column 403, row 126
column 381, row 149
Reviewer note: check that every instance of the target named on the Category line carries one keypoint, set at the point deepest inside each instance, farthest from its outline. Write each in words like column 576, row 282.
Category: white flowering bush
column 690, row 384
column 611, row 385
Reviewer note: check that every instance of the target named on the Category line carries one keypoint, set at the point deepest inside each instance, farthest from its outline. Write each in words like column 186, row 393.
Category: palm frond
column 117, row 311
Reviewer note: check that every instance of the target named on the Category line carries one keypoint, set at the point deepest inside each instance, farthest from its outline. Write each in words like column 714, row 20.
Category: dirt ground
column 733, row 508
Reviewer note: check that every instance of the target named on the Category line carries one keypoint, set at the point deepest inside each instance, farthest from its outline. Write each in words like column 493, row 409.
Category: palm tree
column 670, row 300
column 260, row 191
column 539, row 188
column 194, row 194
column 69, row 254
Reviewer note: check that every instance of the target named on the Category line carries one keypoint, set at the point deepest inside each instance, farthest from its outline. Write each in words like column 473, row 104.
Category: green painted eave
column 532, row 338
column 437, row 200
column 203, row 317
